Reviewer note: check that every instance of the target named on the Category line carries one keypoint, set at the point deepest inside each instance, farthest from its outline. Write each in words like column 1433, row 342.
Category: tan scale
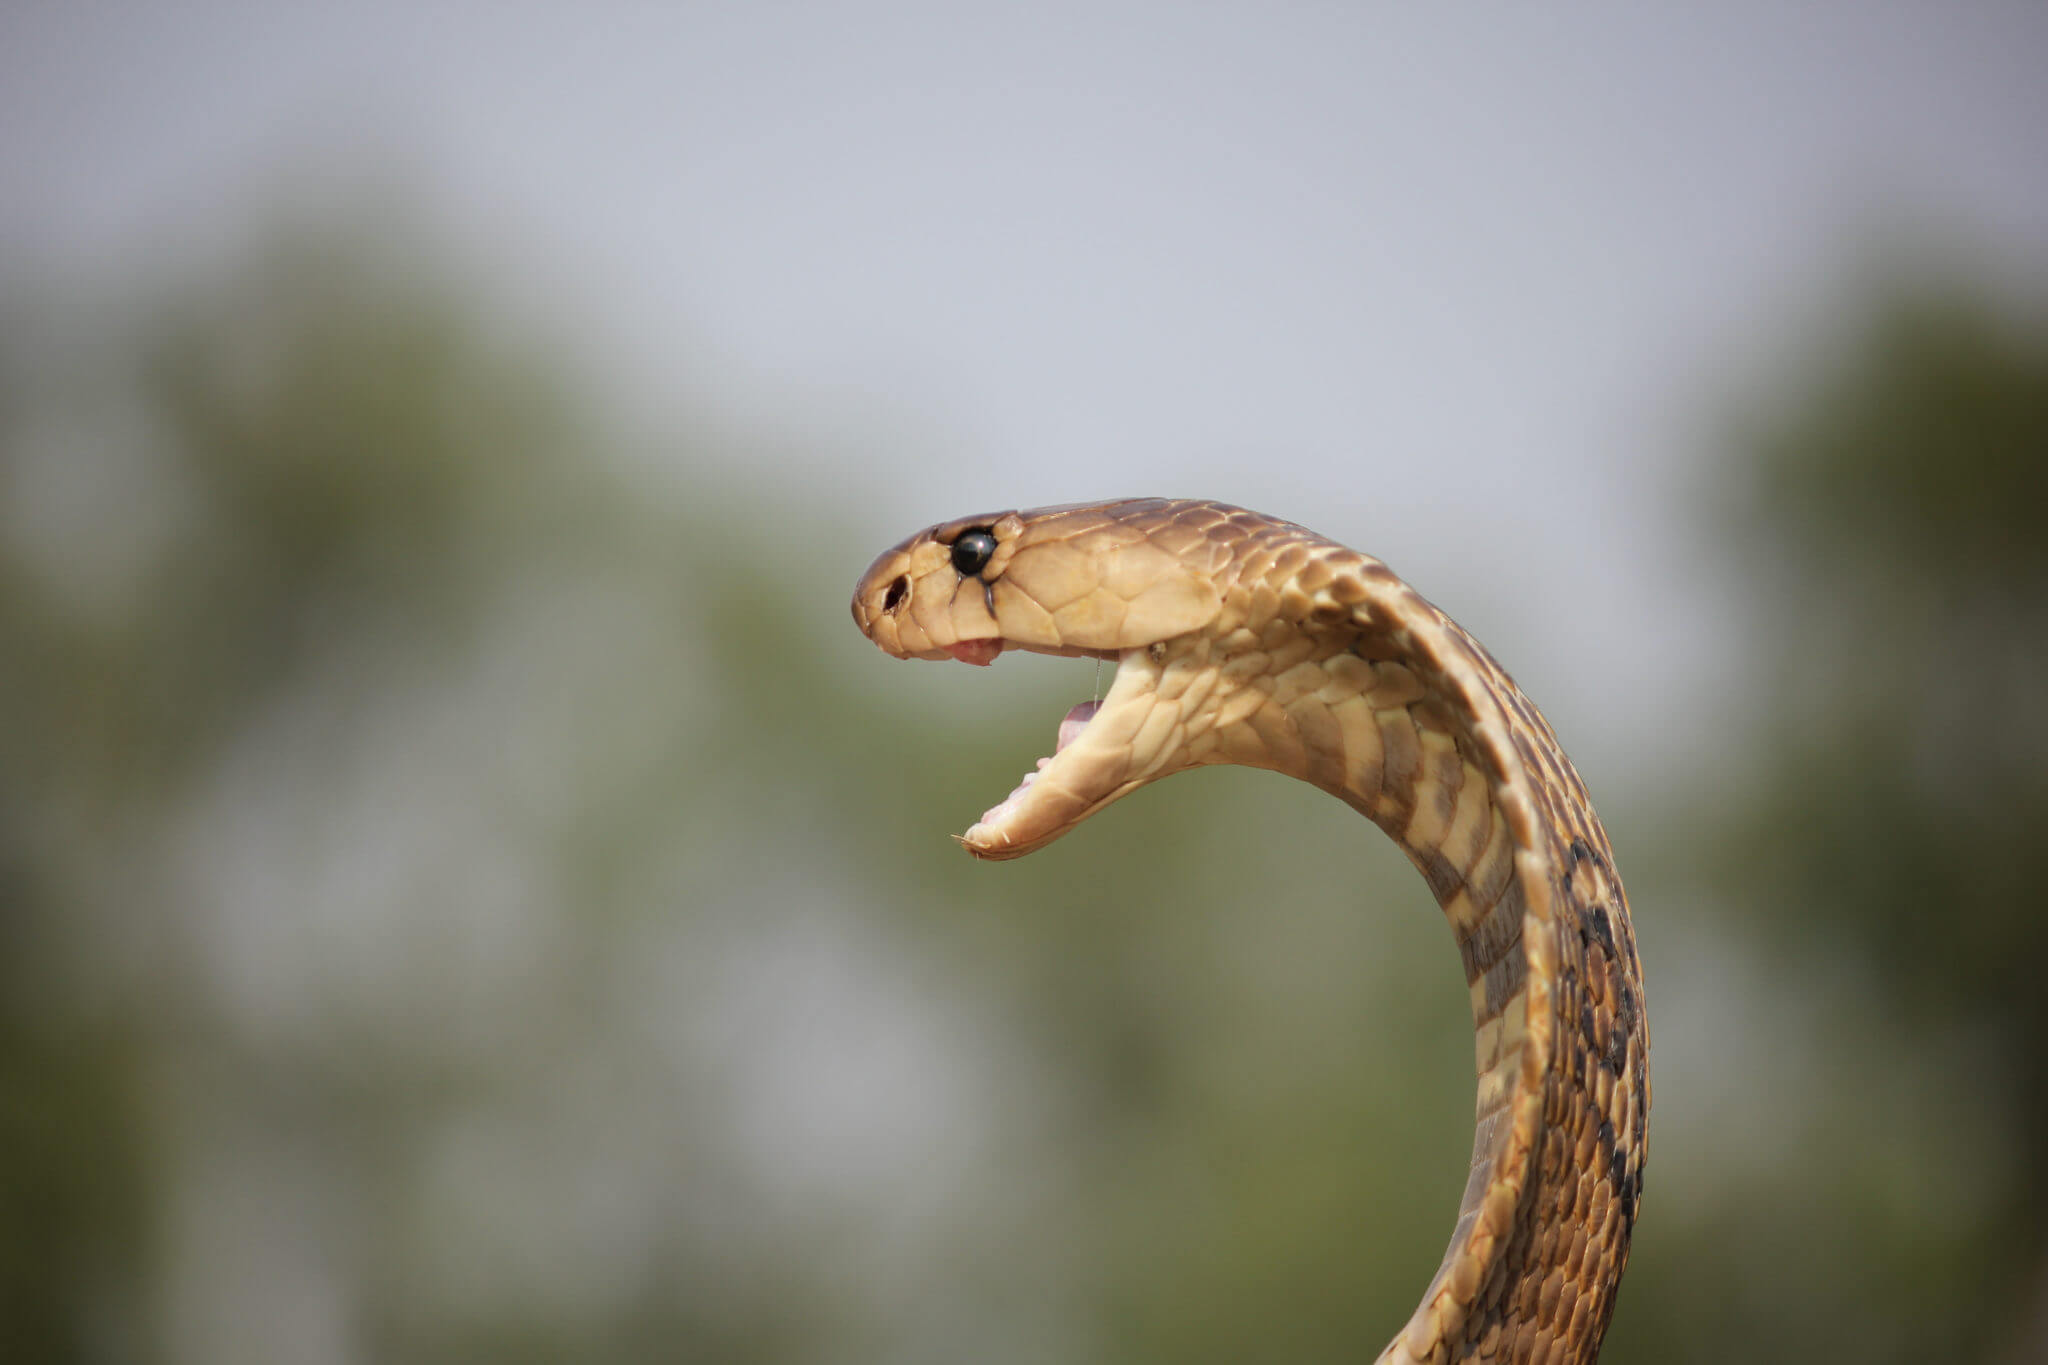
column 1242, row 639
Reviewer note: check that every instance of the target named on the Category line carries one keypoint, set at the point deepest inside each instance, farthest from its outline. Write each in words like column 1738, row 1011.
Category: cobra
column 1239, row 638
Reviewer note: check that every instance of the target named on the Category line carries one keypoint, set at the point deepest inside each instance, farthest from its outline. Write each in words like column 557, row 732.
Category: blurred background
column 467, row 892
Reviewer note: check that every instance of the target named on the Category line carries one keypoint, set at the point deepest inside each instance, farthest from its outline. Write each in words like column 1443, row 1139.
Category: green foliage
column 1912, row 460
column 1888, row 831
column 1902, row 505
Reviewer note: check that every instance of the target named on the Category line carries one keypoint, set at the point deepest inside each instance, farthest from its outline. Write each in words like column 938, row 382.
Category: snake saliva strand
column 1239, row 638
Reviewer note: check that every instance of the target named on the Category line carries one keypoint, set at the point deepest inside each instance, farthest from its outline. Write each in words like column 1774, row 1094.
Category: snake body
column 1239, row 638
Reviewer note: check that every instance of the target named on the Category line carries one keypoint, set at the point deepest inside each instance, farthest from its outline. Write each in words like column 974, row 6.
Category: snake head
column 1127, row 582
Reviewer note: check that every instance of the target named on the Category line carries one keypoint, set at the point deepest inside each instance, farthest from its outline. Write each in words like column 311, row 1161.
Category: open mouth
column 1088, row 767
column 1071, row 726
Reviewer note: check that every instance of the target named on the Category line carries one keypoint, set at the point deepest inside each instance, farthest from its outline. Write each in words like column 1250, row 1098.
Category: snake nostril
column 897, row 591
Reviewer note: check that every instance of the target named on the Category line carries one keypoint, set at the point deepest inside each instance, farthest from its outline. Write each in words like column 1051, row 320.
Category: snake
column 1242, row 638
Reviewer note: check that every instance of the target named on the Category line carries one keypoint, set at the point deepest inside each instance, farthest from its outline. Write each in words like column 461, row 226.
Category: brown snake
column 1242, row 639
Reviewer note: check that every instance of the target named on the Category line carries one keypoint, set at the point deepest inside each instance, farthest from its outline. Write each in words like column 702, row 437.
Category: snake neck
column 1410, row 721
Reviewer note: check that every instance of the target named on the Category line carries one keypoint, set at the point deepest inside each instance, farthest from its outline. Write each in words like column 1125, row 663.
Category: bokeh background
column 467, row 892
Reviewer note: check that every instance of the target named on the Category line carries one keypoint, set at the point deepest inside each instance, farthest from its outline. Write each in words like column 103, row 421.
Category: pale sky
column 1459, row 285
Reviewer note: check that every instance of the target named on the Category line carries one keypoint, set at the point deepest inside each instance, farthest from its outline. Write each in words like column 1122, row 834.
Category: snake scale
column 1239, row 638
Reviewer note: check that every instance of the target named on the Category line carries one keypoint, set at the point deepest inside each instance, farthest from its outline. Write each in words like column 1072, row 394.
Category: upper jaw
column 1096, row 598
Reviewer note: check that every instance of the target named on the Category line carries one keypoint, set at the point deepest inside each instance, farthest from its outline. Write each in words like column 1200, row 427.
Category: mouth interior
column 1071, row 725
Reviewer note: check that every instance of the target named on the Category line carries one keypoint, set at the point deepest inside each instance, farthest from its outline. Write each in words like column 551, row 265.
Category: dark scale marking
column 1642, row 1104
column 1503, row 979
column 1498, row 933
column 1627, row 1191
column 1493, row 939
column 1497, row 873
column 1442, row 875
column 1468, row 953
column 1627, row 938
column 1602, row 930
column 1450, row 780
column 1617, row 1050
column 1400, row 759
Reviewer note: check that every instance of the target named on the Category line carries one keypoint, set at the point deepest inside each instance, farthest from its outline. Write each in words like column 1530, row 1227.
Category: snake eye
column 971, row 552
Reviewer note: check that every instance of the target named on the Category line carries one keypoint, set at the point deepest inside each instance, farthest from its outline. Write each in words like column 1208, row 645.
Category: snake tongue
column 1075, row 721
